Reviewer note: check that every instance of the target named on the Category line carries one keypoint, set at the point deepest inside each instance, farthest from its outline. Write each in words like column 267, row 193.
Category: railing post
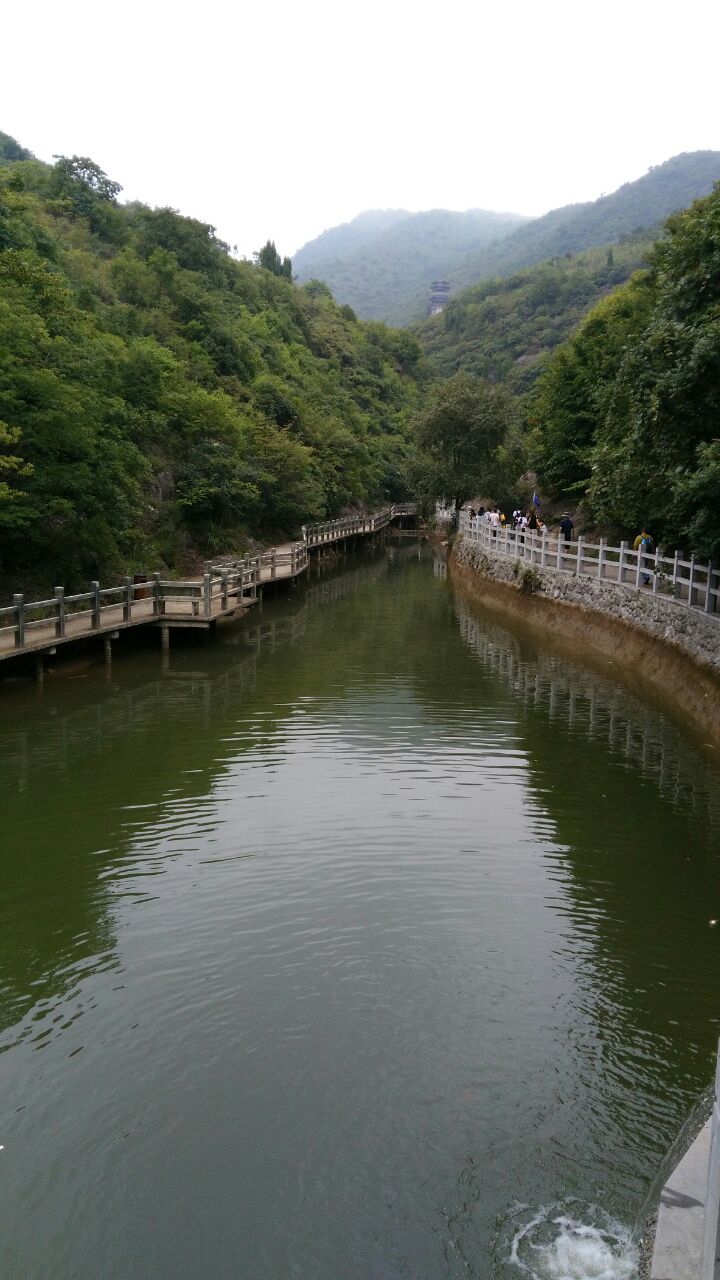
column 95, row 605
column 158, row 602
column 543, row 555
column 601, row 559
column 19, row 602
column 127, row 599
column 675, row 570
column 59, row 612
column 578, row 567
column 709, row 598
column 207, row 595
column 621, row 561
column 691, row 582
column 273, row 564
column 655, row 571
column 224, row 590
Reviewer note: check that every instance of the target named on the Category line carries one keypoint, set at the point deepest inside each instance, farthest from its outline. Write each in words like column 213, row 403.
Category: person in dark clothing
column 566, row 527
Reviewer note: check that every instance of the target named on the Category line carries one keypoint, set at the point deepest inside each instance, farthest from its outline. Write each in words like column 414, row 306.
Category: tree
column 12, row 466
column 82, row 188
column 81, row 171
column 459, row 433
column 269, row 258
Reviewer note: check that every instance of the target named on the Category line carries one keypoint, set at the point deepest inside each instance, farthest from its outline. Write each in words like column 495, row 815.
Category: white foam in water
column 552, row 1245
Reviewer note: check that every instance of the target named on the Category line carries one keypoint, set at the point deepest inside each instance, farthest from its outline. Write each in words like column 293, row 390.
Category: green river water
column 366, row 939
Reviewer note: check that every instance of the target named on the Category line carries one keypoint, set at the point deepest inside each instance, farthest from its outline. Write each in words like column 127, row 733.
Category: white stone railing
column 687, row 582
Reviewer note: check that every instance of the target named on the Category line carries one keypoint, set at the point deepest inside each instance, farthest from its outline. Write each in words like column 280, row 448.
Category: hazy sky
column 280, row 118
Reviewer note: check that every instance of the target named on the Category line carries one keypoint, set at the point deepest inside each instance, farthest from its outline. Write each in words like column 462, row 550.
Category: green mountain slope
column 343, row 240
column 634, row 207
column 385, row 271
column 160, row 400
column 506, row 329
column 627, row 416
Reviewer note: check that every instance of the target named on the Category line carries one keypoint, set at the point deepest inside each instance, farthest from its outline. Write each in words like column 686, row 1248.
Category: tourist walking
column 566, row 527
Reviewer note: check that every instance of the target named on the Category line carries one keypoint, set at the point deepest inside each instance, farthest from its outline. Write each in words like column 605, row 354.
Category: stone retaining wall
column 658, row 616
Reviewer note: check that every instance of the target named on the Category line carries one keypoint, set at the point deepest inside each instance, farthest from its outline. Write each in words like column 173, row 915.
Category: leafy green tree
column 269, row 258
column 77, row 174
column 12, row 467
column 459, row 433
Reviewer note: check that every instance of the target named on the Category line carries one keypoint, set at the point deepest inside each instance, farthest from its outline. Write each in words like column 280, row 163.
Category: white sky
column 278, row 118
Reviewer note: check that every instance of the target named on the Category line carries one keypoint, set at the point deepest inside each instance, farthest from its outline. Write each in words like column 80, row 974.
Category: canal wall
column 669, row 649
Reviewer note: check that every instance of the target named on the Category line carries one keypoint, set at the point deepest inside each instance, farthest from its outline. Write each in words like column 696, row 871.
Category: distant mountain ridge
column 383, row 262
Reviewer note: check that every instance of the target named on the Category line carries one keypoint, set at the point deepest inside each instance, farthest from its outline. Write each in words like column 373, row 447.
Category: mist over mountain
column 382, row 263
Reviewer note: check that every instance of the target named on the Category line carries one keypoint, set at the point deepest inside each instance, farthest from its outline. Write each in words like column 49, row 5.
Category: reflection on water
column 330, row 945
column 600, row 710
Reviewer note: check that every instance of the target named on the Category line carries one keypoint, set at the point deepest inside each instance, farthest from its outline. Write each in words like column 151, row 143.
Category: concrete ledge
column 677, row 1254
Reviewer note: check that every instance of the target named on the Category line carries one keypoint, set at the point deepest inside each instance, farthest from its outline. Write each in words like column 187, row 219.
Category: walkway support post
column 207, row 594
column 127, row 599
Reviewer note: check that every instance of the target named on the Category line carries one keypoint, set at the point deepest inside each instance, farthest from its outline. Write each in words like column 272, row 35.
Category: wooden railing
column 689, row 583
column 64, row 616
column 278, row 562
column 316, row 535
column 226, row 585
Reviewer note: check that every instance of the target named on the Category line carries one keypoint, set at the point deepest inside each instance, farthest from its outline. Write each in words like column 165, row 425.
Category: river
column 366, row 939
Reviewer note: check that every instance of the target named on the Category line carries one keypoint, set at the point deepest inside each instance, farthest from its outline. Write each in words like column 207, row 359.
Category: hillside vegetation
column 382, row 264
column 507, row 329
column 627, row 416
column 160, row 400
column 636, row 206
column 386, row 274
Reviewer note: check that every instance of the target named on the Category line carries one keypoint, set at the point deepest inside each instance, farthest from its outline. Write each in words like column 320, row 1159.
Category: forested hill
column 636, row 206
column 159, row 400
column 507, row 329
column 383, row 262
column 386, row 273
column 627, row 416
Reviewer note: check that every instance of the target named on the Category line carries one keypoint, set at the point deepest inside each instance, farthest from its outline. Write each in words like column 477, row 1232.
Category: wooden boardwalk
column 229, row 587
